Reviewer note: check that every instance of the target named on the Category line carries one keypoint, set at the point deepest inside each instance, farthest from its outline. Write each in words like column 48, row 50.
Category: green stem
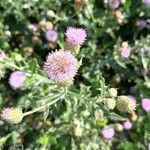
column 43, row 107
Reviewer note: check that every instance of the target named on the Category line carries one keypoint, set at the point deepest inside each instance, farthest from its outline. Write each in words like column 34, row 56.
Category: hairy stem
column 44, row 106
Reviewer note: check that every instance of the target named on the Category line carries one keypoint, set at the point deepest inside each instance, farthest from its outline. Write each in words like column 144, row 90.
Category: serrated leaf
column 34, row 65
column 4, row 139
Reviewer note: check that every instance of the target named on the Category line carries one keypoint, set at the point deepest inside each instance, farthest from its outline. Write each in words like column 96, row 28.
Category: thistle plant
column 52, row 88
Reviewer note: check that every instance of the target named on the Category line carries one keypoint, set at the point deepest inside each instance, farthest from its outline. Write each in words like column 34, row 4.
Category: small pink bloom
column 75, row 36
column 125, row 52
column 146, row 104
column 114, row 4
column 16, row 79
column 51, row 35
column 108, row 133
column 61, row 66
column 127, row 125
column 3, row 55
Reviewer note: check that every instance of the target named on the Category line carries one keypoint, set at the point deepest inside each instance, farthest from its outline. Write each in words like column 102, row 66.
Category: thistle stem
column 44, row 106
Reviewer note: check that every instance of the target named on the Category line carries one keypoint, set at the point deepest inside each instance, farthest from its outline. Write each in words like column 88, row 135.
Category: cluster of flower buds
column 122, row 103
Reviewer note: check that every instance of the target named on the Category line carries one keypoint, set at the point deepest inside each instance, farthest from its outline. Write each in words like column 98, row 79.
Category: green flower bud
column 118, row 127
column 113, row 92
column 73, row 48
column 110, row 103
column 125, row 104
column 78, row 131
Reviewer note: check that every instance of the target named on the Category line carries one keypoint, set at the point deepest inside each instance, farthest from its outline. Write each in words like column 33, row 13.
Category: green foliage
column 73, row 118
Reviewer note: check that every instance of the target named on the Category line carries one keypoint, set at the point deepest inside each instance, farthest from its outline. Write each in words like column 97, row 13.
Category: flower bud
column 28, row 49
column 12, row 115
column 134, row 116
column 113, row 92
column 35, row 39
column 125, row 104
column 48, row 25
column 78, row 131
column 79, row 4
column 50, row 13
column 110, row 103
column 118, row 127
column 98, row 114
column 73, row 48
column 8, row 33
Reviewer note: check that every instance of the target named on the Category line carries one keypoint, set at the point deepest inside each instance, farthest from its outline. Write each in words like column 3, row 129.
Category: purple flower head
column 142, row 24
column 61, row 66
column 114, row 4
column 51, row 35
column 127, row 125
column 108, row 133
column 125, row 52
column 3, row 55
column 16, row 79
column 146, row 104
column 75, row 36
column 146, row 2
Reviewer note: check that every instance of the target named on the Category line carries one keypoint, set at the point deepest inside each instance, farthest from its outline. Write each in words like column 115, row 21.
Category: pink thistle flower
column 108, row 133
column 61, row 66
column 114, row 4
column 127, row 125
column 125, row 52
column 146, row 2
column 146, row 104
column 16, row 79
column 12, row 115
column 75, row 36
